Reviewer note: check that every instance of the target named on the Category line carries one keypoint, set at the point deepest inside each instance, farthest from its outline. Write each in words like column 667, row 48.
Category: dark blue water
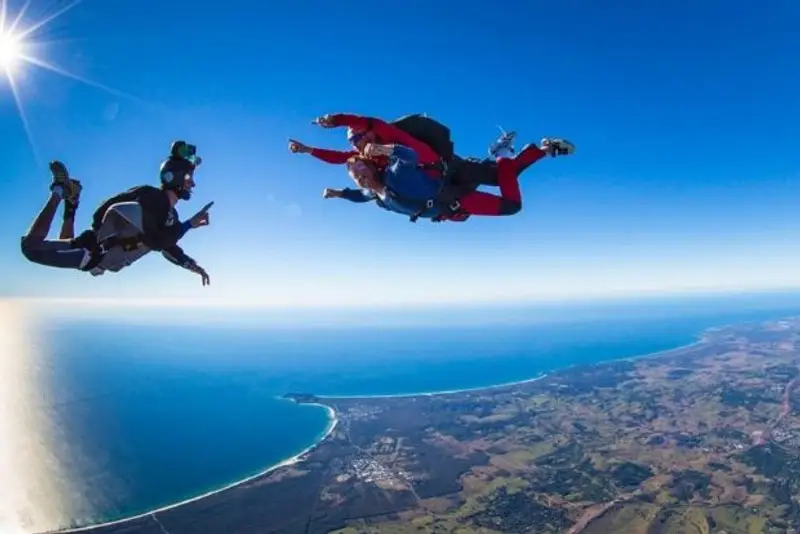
column 160, row 414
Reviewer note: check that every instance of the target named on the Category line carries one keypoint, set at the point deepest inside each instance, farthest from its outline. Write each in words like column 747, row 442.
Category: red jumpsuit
column 510, row 200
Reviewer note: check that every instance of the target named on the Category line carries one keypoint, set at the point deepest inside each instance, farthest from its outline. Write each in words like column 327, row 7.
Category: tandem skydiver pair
column 409, row 166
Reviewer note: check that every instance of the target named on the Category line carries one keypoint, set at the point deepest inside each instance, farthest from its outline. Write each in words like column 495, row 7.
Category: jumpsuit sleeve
column 392, row 135
column 357, row 122
column 334, row 157
column 175, row 254
column 356, row 195
column 185, row 227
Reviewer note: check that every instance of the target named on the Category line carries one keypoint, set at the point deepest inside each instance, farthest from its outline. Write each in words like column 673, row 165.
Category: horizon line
column 244, row 303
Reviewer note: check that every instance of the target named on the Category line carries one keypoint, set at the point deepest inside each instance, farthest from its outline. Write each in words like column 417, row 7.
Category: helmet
column 178, row 167
column 174, row 173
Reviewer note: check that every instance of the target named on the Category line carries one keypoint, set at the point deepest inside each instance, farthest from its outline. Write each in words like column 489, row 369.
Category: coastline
column 700, row 339
column 333, row 421
column 689, row 346
column 430, row 393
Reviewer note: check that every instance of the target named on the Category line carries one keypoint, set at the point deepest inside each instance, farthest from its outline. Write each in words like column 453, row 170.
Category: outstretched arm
column 357, row 122
column 334, row 157
column 185, row 227
column 175, row 254
column 201, row 218
column 355, row 195
column 388, row 134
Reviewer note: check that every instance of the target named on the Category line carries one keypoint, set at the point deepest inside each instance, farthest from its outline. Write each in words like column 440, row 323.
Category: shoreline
column 689, row 346
column 333, row 421
column 699, row 339
column 429, row 393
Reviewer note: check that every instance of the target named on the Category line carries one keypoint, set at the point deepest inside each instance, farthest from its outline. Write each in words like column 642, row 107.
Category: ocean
column 105, row 419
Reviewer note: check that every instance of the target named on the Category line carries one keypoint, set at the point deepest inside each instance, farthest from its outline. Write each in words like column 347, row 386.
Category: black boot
column 72, row 198
column 71, row 188
column 59, row 172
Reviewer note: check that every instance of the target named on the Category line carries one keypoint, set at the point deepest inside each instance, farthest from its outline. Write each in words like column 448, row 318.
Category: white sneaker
column 557, row 147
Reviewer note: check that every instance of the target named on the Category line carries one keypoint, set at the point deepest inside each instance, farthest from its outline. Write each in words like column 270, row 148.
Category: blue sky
column 684, row 113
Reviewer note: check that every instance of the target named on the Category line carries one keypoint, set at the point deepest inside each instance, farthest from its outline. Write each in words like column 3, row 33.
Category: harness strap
column 445, row 210
column 98, row 249
column 126, row 243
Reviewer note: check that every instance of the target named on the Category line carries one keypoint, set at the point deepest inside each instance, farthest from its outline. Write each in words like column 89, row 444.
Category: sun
column 11, row 50
column 18, row 45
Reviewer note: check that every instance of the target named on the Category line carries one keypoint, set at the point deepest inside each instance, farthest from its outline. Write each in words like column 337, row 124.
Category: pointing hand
column 201, row 218
column 298, row 148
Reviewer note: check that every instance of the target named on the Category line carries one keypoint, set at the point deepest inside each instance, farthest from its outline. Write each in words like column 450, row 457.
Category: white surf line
column 433, row 393
column 542, row 376
column 333, row 422
column 700, row 340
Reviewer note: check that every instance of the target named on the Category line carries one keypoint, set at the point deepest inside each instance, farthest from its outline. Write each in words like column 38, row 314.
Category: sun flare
column 21, row 48
column 11, row 50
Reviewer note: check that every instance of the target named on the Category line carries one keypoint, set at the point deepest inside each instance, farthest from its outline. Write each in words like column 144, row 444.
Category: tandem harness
column 98, row 249
column 447, row 197
column 446, row 200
